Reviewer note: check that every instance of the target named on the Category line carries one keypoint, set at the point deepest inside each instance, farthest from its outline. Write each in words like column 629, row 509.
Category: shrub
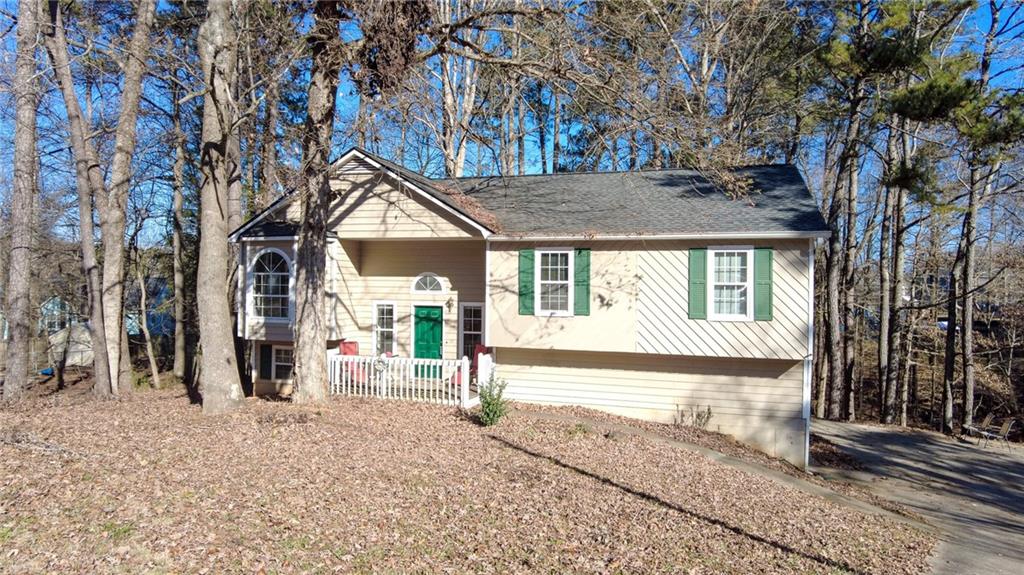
column 493, row 405
column 698, row 418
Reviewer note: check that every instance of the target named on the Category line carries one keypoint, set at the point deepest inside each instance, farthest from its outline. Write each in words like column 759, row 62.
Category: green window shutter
column 763, row 284
column 266, row 361
column 697, row 308
column 526, row 281
column 581, row 275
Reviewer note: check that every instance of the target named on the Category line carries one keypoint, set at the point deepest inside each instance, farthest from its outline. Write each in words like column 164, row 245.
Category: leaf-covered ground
column 148, row 484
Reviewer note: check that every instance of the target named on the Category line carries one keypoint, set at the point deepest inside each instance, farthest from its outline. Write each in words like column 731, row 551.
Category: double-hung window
column 731, row 285
column 283, row 361
column 554, row 282
column 472, row 328
column 383, row 328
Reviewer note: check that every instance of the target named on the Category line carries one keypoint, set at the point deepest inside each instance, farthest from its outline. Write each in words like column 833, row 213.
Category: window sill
column 731, row 318
column 280, row 320
column 554, row 314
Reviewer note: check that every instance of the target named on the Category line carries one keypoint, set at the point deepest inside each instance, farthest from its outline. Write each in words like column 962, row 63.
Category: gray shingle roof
column 646, row 203
column 271, row 229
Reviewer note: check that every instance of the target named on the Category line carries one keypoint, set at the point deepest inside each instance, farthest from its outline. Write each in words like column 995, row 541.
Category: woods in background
column 162, row 128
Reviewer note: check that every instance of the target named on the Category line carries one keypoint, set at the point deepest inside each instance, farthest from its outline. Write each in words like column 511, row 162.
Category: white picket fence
column 442, row 381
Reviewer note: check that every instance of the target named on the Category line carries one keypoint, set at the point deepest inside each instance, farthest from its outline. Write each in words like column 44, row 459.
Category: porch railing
column 442, row 381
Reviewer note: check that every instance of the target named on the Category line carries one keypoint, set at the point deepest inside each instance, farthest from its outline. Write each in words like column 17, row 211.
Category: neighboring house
column 56, row 314
column 647, row 294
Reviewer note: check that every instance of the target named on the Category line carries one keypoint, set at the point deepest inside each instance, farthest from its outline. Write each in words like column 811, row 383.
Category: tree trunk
column 90, row 187
column 834, row 348
column 178, row 230
column 268, row 179
column 820, row 361
column 311, row 261
column 905, row 365
column 949, row 371
column 113, row 207
column 154, row 369
column 234, row 183
column 849, row 282
column 542, row 130
column 219, row 381
column 896, row 320
column 884, row 266
column 556, row 140
column 974, row 198
column 838, row 382
column 26, row 161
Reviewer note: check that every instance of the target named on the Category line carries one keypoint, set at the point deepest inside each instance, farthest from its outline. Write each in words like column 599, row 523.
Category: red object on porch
column 349, row 347
column 457, row 377
column 480, row 348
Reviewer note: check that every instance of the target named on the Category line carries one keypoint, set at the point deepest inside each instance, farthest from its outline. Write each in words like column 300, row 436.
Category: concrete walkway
column 974, row 496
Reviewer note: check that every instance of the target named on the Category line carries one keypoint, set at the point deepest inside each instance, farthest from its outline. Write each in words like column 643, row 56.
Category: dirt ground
column 148, row 484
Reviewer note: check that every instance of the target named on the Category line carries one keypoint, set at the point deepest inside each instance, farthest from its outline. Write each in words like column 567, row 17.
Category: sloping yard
column 150, row 485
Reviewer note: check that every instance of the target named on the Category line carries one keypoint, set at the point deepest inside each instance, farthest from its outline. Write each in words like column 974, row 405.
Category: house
column 55, row 314
column 647, row 294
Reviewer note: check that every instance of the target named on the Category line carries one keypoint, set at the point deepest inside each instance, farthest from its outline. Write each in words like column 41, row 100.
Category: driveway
column 974, row 496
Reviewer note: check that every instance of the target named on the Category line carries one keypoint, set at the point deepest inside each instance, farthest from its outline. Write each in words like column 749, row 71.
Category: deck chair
column 477, row 350
column 1001, row 435
column 976, row 429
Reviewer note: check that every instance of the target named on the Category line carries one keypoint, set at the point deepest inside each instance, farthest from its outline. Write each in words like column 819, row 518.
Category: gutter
column 697, row 236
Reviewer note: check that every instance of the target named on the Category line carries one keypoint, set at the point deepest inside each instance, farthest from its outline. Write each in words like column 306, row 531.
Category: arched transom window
column 270, row 283
column 427, row 283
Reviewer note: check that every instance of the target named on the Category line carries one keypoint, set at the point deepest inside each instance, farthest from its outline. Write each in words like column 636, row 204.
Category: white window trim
column 394, row 325
column 250, row 305
column 273, row 363
column 712, row 316
column 412, row 324
column 536, row 282
column 483, row 323
column 440, row 280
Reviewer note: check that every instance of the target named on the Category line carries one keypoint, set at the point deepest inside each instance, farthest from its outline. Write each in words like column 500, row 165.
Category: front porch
column 454, row 382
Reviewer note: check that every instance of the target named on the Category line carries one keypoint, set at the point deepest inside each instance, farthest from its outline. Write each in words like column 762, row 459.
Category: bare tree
column 177, row 231
column 110, row 201
column 26, row 162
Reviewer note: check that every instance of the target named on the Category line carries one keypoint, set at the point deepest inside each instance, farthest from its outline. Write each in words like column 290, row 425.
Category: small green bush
column 493, row 405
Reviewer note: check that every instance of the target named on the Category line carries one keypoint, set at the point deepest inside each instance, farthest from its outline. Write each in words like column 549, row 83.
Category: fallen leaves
column 375, row 486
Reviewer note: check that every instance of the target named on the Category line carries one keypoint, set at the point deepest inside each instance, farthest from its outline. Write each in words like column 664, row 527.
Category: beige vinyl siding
column 361, row 273
column 664, row 328
column 757, row 401
column 638, row 304
column 613, row 291
column 372, row 205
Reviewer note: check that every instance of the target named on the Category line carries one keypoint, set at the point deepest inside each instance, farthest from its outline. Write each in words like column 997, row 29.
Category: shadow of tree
column 824, row 561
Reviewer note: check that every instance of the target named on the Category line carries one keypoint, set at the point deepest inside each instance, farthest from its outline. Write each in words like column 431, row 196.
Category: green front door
column 427, row 332
column 427, row 337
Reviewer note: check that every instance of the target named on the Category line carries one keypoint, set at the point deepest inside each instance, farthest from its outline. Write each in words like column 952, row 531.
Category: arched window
column 270, row 282
column 427, row 283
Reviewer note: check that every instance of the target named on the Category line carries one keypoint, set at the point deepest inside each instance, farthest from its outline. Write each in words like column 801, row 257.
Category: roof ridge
column 603, row 173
